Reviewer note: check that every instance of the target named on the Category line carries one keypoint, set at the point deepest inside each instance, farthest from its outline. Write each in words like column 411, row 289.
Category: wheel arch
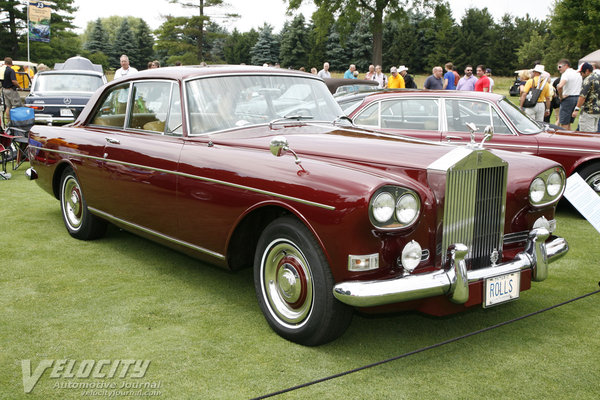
column 243, row 240
column 56, row 178
column 584, row 164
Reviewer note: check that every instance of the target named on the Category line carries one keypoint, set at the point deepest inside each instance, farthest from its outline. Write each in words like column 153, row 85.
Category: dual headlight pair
column 394, row 207
column 547, row 187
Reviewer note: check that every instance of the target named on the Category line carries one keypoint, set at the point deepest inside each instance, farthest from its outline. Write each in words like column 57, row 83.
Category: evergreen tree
column 238, row 45
column 294, row 44
column 336, row 55
column 98, row 39
column 145, row 44
column 440, row 37
column 475, row 42
column 266, row 49
column 360, row 45
column 125, row 43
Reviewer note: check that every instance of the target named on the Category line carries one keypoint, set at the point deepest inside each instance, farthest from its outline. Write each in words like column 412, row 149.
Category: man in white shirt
column 125, row 69
column 568, row 90
column 324, row 73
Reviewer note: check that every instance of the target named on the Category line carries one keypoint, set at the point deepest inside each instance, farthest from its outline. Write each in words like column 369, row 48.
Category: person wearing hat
column 588, row 104
column 409, row 81
column 395, row 81
column 542, row 106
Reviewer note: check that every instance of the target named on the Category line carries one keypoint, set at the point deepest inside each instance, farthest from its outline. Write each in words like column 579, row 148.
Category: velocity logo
column 100, row 369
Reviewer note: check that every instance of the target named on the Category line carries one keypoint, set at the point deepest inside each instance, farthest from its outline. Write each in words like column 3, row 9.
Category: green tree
column 125, row 43
column 348, row 13
column 360, row 46
column 439, row 33
column 145, row 43
column 575, row 28
column 196, row 24
column 475, row 40
column 294, row 44
column 13, row 31
column 266, row 49
column 98, row 39
column 237, row 46
column 531, row 51
column 336, row 54
column 173, row 43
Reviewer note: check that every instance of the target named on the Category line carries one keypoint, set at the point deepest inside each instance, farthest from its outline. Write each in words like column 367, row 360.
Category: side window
column 175, row 119
column 369, row 116
column 410, row 114
column 150, row 107
column 113, row 108
column 461, row 112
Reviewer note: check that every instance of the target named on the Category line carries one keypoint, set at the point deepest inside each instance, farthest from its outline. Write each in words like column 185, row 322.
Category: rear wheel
column 591, row 175
column 80, row 223
column 294, row 285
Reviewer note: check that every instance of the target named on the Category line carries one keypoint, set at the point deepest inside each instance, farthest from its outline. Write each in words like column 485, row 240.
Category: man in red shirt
column 483, row 83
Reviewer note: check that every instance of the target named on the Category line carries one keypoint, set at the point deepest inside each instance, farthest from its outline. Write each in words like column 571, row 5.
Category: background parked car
column 443, row 116
column 58, row 96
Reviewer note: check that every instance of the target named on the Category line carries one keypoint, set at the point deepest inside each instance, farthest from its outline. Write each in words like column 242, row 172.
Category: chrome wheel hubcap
column 594, row 181
column 72, row 203
column 287, row 282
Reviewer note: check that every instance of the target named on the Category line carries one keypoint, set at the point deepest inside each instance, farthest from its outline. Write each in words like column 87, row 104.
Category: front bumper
column 454, row 279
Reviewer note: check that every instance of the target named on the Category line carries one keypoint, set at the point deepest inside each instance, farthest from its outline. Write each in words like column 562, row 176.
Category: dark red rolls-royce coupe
column 442, row 115
column 254, row 167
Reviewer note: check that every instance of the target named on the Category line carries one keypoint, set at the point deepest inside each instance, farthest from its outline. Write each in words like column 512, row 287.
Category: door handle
column 449, row 138
column 112, row 141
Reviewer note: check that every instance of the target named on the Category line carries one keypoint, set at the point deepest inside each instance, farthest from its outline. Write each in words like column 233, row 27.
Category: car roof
column 71, row 72
column 190, row 71
column 383, row 94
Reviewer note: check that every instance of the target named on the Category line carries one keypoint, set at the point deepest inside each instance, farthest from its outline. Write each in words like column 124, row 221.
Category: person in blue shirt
column 349, row 74
column 449, row 77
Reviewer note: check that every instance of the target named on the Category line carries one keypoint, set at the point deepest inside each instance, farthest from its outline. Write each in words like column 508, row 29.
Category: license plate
column 500, row 289
column 66, row 112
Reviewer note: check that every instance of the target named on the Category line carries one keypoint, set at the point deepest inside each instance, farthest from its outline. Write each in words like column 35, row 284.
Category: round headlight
column 555, row 184
column 411, row 255
column 537, row 190
column 383, row 207
column 407, row 209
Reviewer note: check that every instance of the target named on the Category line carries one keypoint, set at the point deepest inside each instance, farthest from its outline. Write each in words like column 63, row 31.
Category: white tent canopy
column 592, row 57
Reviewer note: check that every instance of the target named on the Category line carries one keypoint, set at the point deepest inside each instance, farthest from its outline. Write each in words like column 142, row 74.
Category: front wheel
column 591, row 175
column 294, row 285
column 80, row 223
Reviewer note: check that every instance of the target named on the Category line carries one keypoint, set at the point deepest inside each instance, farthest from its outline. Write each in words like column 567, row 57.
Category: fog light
column 366, row 262
column 411, row 255
column 542, row 222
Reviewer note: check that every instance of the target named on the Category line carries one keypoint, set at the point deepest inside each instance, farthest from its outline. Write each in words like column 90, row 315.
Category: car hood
column 367, row 148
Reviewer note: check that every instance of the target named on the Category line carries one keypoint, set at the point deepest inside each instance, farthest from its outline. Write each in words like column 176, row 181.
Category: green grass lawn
column 123, row 297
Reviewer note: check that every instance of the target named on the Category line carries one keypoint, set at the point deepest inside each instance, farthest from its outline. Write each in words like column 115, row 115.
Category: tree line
column 420, row 37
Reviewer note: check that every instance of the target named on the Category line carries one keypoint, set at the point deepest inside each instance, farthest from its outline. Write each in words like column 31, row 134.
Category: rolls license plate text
column 500, row 289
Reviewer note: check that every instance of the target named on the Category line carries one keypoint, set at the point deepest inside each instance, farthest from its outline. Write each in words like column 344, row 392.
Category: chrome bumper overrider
column 454, row 279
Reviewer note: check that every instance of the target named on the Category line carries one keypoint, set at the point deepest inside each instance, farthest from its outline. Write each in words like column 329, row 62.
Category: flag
column 39, row 21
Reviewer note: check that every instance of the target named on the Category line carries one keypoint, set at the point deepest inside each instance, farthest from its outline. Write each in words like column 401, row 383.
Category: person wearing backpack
column 10, row 87
column 535, row 97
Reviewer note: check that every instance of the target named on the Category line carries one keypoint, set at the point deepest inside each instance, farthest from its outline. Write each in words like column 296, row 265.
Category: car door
column 141, row 122
column 459, row 112
column 412, row 116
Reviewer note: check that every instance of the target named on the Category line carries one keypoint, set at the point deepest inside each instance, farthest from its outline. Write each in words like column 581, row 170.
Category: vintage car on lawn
column 441, row 116
column 211, row 161
column 58, row 96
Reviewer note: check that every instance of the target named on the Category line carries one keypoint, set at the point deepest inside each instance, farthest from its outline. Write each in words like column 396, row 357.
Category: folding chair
column 21, row 121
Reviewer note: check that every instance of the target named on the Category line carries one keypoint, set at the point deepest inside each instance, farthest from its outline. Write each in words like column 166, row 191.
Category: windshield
column 522, row 122
column 217, row 103
column 67, row 83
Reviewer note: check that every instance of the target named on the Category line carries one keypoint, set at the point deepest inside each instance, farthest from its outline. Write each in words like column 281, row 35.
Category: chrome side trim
column 200, row 178
column 110, row 217
column 452, row 281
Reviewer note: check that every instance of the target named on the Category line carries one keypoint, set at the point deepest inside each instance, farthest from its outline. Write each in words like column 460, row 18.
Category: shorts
column 11, row 98
column 588, row 122
column 567, row 106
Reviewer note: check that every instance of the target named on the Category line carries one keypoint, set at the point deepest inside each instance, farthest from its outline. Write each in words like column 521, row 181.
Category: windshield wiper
column 288, row 118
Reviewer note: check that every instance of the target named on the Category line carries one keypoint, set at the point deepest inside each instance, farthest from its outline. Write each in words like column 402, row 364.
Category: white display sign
column 584, row 199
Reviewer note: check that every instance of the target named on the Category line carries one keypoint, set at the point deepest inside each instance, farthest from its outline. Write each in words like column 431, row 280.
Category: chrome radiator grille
column 474, row 211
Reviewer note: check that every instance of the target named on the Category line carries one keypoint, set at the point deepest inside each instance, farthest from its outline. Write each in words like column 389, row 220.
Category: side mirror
column 278, row 146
